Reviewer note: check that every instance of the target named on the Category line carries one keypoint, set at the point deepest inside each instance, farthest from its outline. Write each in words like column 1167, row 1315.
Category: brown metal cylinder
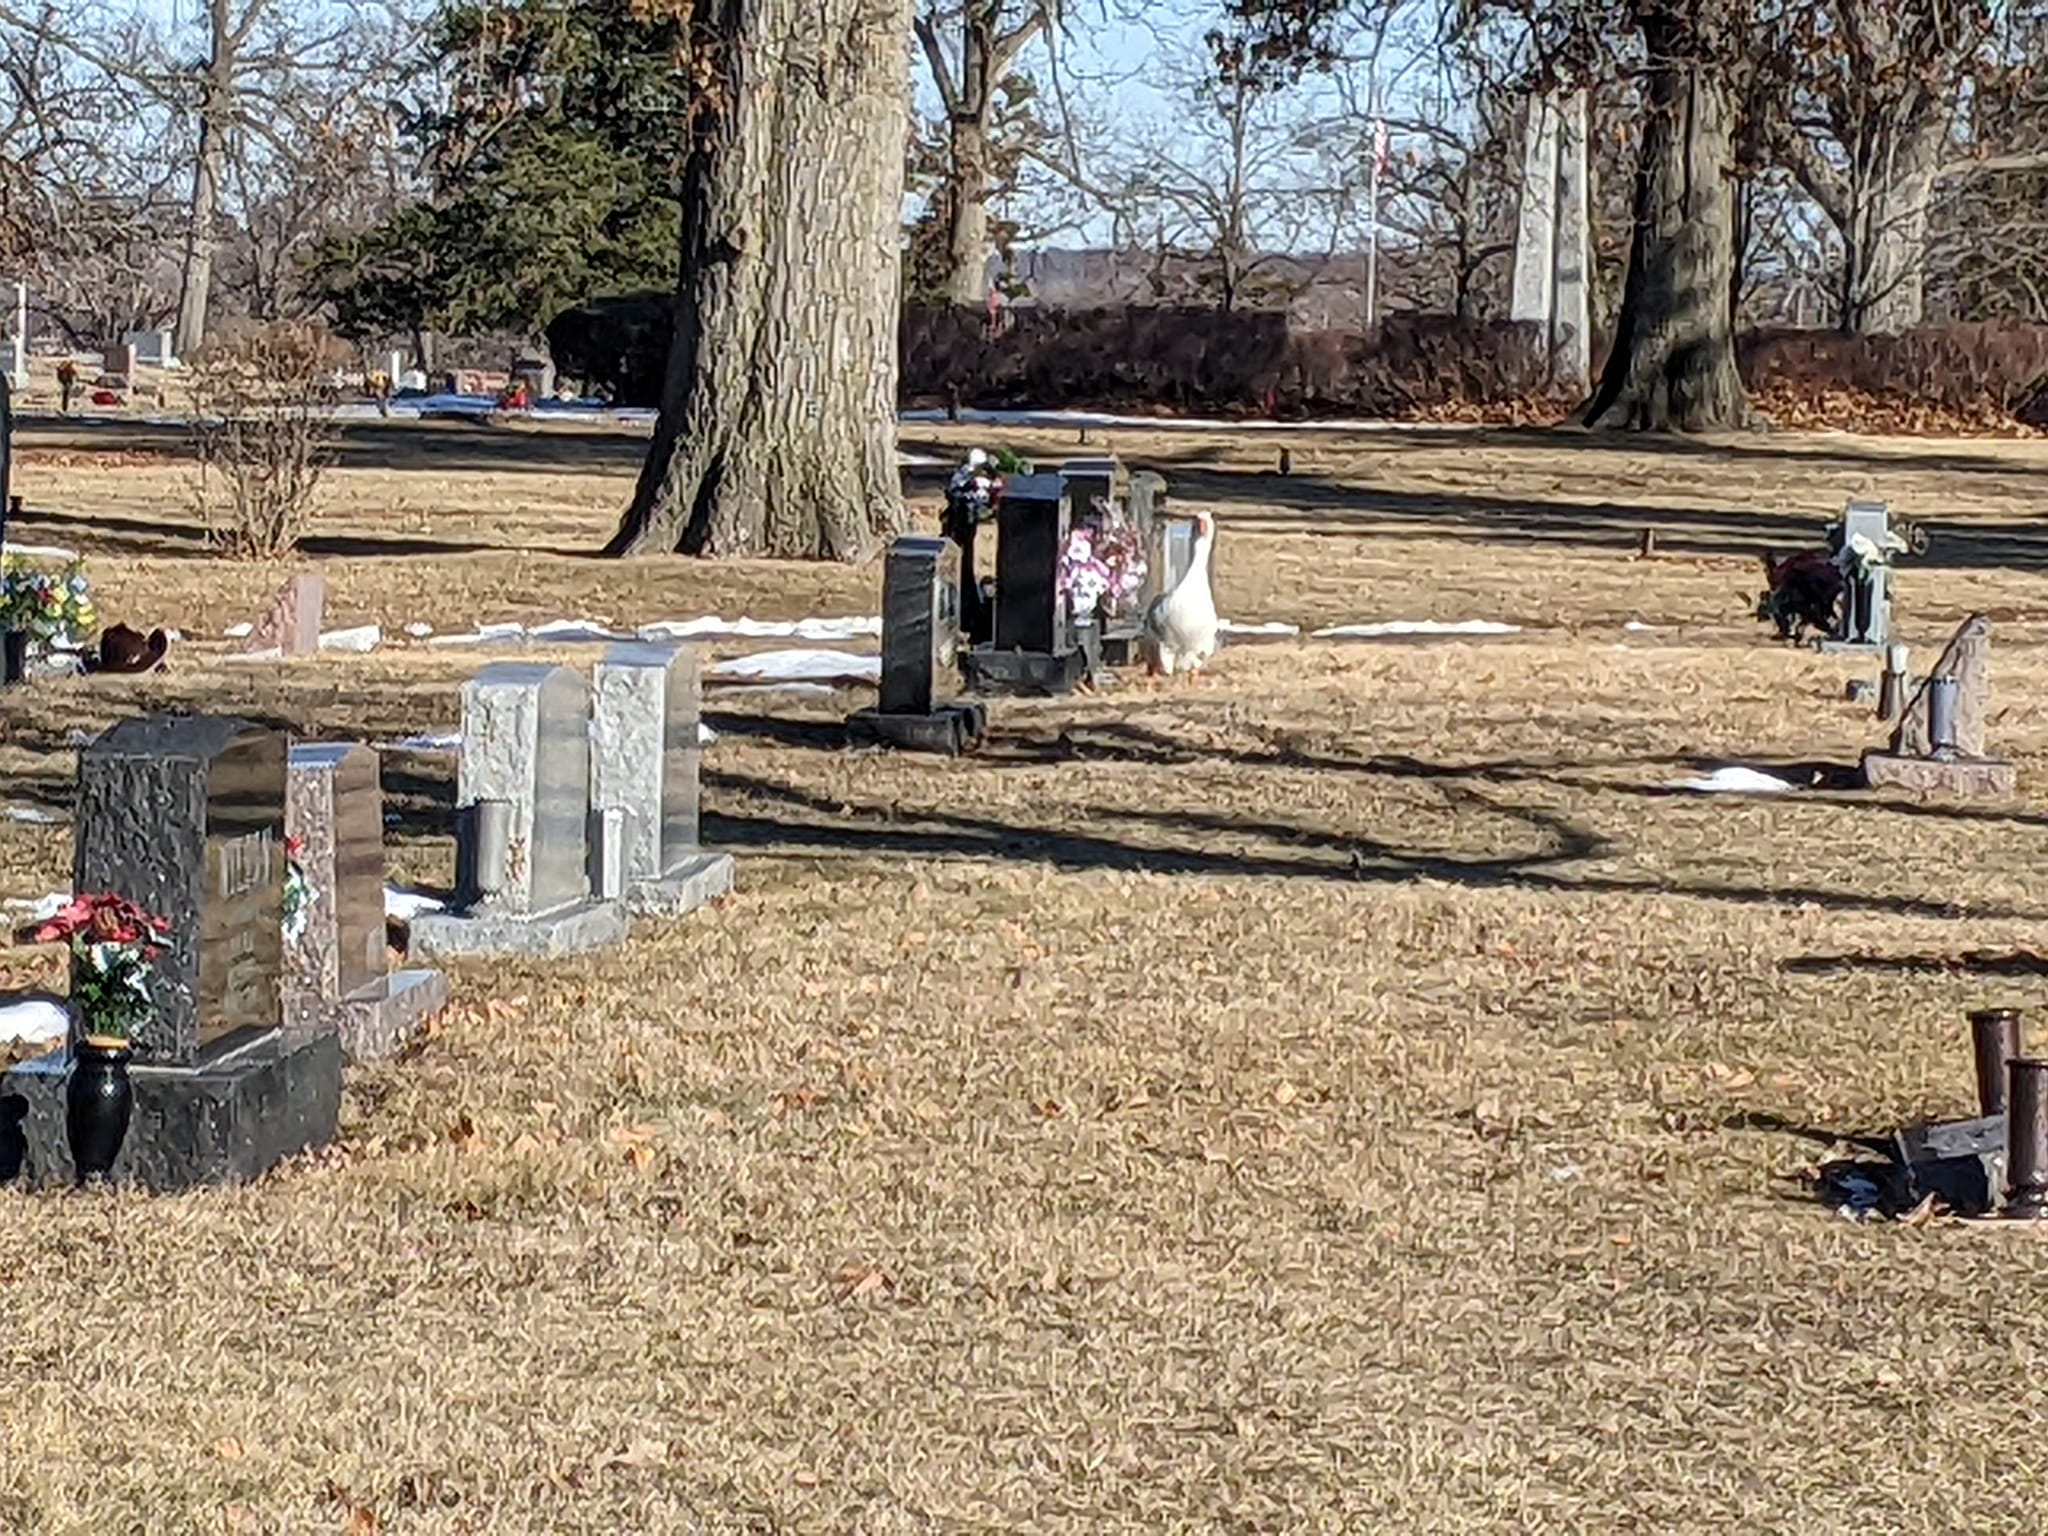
column 2026, row 1145
column 1994, row 1041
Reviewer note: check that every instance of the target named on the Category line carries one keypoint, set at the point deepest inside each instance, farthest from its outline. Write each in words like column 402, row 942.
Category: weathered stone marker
column 184, row 815
column 644, row 753
column 522, row 822
column 336, row 973
column 920, row 643
column 1912, row 761
column 291, row 624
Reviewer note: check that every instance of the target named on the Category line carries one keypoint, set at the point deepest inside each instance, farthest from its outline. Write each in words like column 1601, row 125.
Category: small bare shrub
column 260, row 423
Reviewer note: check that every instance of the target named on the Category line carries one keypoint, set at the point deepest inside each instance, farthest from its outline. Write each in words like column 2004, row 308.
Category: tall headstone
column 184, row 815
column 291, row 624
column 1553, row 234
column 1033, row 650
column 920, row 642
column 337, row 975
column 1865, row 621
column 644, row 759
column 522, row 822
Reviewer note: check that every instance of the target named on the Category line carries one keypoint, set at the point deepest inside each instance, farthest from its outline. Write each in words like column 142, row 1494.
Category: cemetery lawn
column 1354, row 1093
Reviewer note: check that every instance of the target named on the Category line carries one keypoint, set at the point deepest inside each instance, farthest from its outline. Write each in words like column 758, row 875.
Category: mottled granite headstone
column 291, row 625
column 1968, row 660
column 337, row 973
column 525, row 757
column 184, row 815
column 644, row 759
column 920, row 622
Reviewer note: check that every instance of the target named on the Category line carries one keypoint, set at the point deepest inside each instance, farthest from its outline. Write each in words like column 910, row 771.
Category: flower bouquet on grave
column 977, row 485
column 298, row 890
column 114, row 944
column 51, row 608
column 1084, row 578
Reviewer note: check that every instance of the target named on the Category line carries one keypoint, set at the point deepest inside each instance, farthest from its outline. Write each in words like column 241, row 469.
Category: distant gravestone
column 1033, row 649
column 1913, row 764
column 291, row 624
column 522, row 829
column 644, row 751
column 337, row 974
column 184, row 815
column 920, row 643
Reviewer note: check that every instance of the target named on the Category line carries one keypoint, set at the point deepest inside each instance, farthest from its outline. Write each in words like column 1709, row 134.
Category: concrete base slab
column 1042, row 673
column 380, row 1020
column 571, row 931
column 950, row 729
column 1961, row 776
column 220, row 1122
column 686, row 887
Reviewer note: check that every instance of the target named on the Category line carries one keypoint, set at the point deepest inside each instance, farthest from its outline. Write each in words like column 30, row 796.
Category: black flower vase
column 97, row 1103
column 13, row 655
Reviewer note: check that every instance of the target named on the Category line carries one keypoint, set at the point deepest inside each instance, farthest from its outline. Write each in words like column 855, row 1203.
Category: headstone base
column 223, row 1122
column 1849, row 647
column 1967, row 776
column 687, row 885
column 378, row 1021
column 951, row 729
column 1122, row 647
column 988, row 670
column 1963, row 1161
column 571, row 931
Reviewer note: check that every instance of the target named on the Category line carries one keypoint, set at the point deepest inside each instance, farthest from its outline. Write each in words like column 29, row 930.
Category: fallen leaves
column 863, row 1282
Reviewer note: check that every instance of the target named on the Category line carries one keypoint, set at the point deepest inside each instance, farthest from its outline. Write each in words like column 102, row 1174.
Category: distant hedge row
column 1254, row 363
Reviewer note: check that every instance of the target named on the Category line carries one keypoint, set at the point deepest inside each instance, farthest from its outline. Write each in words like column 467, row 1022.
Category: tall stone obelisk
column 1552, row 238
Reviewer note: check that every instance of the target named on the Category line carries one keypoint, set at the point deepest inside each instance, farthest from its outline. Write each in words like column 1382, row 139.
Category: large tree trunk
column 777, row 433
column 1672, row 366
column 216, row 108
column 967, row 214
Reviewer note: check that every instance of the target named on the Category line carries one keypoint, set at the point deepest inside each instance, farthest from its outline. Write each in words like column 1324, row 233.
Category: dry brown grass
column 1351, row 1095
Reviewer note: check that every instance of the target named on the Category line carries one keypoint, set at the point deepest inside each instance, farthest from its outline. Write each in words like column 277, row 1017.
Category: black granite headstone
column 1031, row 535
column 184, row 815
column 6, row 454
column 920, row 622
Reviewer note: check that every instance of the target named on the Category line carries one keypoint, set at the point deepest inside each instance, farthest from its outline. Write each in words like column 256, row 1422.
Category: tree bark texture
column 1672, row 366
column 967, row 247
column 209, row 168
column 777, row 432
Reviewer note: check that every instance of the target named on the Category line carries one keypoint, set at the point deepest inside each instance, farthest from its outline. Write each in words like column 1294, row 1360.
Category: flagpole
column 1372, row 250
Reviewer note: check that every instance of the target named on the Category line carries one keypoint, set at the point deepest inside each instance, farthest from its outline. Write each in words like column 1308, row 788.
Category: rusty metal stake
column 1994, row 1041
column 2026, row 1146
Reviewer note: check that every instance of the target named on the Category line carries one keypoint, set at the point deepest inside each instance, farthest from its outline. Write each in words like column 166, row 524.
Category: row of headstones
column 239, row 1063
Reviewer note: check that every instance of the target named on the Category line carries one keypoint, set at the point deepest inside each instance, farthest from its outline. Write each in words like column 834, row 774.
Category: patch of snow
column 362, row 638
column 418, row 630
column 485, row 634
column 174, row 634
column 448, row 742
column 40, row 552
column 41, row 909
column 1231, row 627
column 1415, row 627
column 33, row 814
column 1734, row 780
column 812, row 688
column 269, row 653
column 1637, row 625
column 402, row 905
column 848, row 628
column 573, row 632
column 33, row 1021
column 797, row 666
column 79, row 738
column 240, row 631
column 705, row 735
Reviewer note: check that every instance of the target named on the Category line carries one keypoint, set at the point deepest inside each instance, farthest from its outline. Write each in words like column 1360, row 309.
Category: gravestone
column 644, row 752
column 1100, row 490
column 920, row 643
column 1911, row 762
column 1864, row 623
column 291, row 624
column 522, row 822
column 1033, row 650
column 337, row 976
column 184, row 815
column 117, row 369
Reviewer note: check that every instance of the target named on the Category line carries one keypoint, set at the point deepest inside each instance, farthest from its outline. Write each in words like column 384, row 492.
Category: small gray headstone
column 1967, row 659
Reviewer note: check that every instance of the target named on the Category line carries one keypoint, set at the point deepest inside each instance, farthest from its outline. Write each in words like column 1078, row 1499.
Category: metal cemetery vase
column 1995, row 1043
column 2026, row 1156
column 97, row 1103
column 13, row 655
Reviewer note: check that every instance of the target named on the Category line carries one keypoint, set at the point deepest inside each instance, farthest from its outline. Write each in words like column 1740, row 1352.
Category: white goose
column 1181, row 626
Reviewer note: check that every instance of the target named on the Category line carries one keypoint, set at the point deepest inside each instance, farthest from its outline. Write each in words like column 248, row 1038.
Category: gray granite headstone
column 644, row 753
column 337, row 974
column 184, row 815
column 920, row 622
column 291, row 624
column 522, row 822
